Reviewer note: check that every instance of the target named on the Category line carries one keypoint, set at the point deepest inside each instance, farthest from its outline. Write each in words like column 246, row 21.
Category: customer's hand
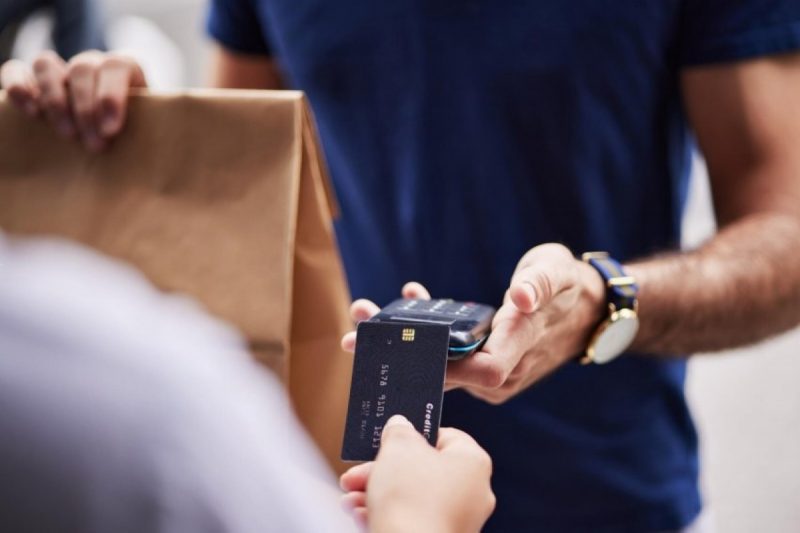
column 553, row 303
column 84, row 98
column 412, row 486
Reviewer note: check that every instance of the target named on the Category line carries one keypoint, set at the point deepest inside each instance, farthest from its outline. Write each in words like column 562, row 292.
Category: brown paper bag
column 218, row 194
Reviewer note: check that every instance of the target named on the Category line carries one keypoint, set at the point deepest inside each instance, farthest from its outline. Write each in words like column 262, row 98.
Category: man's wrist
column 638, row 271
column 593, row 294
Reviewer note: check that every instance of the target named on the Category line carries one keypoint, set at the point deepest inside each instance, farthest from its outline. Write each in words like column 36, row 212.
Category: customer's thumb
column 398, row 428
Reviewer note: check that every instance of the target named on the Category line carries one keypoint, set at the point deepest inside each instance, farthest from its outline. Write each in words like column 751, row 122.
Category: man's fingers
column 115, row 76
column 363, row 310
column 414, row 290
column 481, row 369
column 88, row 95
column 523, row 295
column 82, row 73
column 50, row 72
column 360, row 310
column 490, row 367
column 490, row 396
column 542, row 273
column 18, row 80
column 512, row 335
column 349, row 342
column 356, row 477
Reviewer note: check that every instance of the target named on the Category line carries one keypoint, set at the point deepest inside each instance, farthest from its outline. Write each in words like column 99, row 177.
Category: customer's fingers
column 461, row 447
column 354, row 500
column 399, row 434
column 360, row 514
column 18, row 81
column 115, row 76
column 414, row 290
column 356, row 477
column 451, row 436
column 455, row 439
column 82, row 73
column 51, row 75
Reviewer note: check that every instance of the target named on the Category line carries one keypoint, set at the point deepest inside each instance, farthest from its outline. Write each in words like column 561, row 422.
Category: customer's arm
column 125, row 409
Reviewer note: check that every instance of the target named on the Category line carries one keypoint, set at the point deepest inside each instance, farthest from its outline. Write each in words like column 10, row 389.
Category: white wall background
column 746, row 403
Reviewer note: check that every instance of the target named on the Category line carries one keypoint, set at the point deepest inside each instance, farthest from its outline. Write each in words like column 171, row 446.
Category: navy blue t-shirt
column 459, row 134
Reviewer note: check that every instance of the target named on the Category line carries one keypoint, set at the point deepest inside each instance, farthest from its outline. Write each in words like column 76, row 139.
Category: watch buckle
column 621, row 281
column 586, row 256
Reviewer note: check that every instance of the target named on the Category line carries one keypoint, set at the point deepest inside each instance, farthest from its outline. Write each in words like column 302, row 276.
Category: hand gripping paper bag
column 221, row 195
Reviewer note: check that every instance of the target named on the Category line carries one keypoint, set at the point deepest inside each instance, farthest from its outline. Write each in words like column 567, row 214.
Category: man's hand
column 412, row 486
column 548, row 315
column 549, row 312
column 86, row 97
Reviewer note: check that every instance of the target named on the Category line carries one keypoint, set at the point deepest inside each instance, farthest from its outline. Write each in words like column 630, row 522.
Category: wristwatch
column 617, row 331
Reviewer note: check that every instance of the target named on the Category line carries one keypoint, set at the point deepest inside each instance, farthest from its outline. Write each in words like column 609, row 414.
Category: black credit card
column 399, row 368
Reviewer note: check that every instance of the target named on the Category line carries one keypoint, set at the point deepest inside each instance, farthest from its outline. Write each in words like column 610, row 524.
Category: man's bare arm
column 232, row 70
column 743, row 285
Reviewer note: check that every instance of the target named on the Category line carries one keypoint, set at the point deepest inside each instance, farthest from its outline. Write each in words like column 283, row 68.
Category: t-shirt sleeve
column 718, row 31
column 236, row 25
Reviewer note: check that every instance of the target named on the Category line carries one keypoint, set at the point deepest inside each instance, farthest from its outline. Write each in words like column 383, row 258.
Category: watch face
column 615, row 337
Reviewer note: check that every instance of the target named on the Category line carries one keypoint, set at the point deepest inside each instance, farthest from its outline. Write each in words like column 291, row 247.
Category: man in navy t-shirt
column 465, row 138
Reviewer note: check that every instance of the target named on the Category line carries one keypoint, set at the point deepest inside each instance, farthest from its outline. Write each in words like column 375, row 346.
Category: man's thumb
column 545, row 271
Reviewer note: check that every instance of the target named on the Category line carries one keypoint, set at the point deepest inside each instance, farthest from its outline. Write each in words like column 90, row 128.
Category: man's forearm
column 739, row 288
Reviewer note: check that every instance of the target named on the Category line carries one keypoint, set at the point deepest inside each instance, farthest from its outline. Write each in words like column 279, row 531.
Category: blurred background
column 746, row 402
